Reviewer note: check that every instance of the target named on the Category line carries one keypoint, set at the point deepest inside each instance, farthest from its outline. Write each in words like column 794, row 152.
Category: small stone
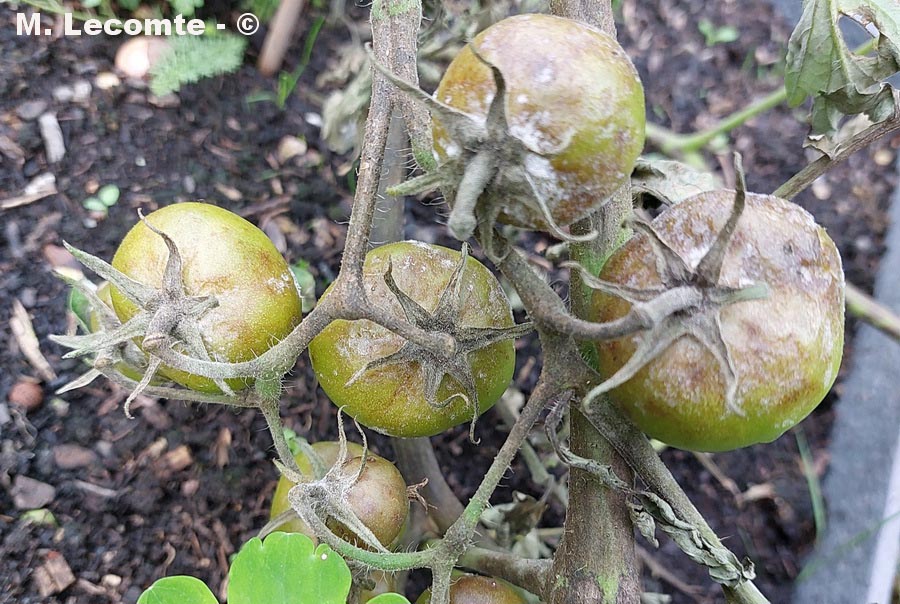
column 165, row 101
column 63, row 93
column 70, row 457
column 53, row 137
column 111, row 580
column 178, row 458
column 189, row 184
column 291, row 146
column 106, row 80
column 190, row 487
column 26, row 394
column 53, row 576
column 29, row 494
column 31, row 110
column 81, row 91
column 28, row 297
column 104, row 448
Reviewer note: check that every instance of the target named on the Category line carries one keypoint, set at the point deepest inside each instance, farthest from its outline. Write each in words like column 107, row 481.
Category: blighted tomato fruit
column 536, row 123
column 400, row 388
column 784, row 349
column 475, row 589
column 378, row 498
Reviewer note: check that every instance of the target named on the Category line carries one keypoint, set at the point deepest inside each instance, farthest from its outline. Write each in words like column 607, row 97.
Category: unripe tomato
column 573, row 98
column 225, row 256
column 475, row 589
column 391, row 398
column 378, row 499
column 786, row 348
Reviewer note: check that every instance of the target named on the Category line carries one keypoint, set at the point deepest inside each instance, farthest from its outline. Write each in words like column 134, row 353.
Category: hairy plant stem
column 527, row 573
column 871, row 311
column 596, row 560
column 640, row 455
column 672, row 143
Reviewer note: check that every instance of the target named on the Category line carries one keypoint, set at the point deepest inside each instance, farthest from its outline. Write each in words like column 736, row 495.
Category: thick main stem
column 596, row 561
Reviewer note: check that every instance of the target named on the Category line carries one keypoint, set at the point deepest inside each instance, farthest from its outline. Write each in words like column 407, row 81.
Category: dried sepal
column 433, row 368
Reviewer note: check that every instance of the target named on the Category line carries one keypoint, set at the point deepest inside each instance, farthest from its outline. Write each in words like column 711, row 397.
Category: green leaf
column 90, row 3
column 80, row 307
column 129, row 5
column 841, row 82
column 94, row 205
column 185, row 7
column 108, row 195
column 178, row 590
column 388, row 599
column 717, row 35
column 191, row 58
column 287, row 568
column 307, row 284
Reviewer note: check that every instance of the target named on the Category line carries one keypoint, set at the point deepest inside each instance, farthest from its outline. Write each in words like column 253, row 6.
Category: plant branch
column 843, row 150
column 529, row 574
column 639, row 454
column 416, row 460
column 868, row 309
column 671, row 143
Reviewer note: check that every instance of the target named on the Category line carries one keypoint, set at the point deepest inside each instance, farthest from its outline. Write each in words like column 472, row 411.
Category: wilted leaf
column 670, row 182
column 820, row 65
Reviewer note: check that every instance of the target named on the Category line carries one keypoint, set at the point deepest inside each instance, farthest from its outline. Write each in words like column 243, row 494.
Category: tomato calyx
column 686, row 304
column 168, row 316
column 489, row 156
column 445, row 320
column 316, row 499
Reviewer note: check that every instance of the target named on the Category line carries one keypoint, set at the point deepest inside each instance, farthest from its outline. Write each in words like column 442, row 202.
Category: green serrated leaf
column 820, row 65
column 191, row 58
column 390, row 598
column 287, row 568
column 108, row 195
column 128, row 4
column 178, row 590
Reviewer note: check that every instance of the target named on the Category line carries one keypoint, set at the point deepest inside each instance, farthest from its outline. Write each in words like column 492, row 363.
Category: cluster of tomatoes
column 537, row 140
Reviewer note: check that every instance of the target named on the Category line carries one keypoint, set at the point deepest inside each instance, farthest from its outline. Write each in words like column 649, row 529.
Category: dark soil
column 177, row 490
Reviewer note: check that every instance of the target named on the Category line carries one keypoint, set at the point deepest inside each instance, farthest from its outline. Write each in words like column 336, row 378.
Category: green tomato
column 391, row 398
column 475, row 589
column 225, row 256
column 786, row 348
column 378, row 499
column 573, row 98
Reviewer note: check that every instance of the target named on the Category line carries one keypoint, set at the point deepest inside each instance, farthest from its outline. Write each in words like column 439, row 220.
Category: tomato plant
column 785, row 348
column 390, row 385
column 378, row 498
column 719, row 325
column 224, row 256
